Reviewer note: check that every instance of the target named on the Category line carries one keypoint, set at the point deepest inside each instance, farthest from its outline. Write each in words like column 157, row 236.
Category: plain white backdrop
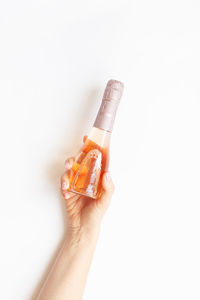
column 55, row 59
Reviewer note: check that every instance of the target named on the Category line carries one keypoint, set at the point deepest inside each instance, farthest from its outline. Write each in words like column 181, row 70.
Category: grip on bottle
column 86, row 180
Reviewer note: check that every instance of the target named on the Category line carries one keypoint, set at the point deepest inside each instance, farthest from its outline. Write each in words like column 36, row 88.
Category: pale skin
column 67, row 278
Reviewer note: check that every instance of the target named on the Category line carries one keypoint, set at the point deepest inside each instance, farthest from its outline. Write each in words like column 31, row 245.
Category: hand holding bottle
column 84, row 213
column 86, row 184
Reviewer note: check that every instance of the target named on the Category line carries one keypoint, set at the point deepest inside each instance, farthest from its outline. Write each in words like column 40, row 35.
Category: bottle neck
column 106, row 115
column 100, row 137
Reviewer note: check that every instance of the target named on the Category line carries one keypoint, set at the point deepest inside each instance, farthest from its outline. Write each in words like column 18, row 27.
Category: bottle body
column 90, row 163
column 93, row 158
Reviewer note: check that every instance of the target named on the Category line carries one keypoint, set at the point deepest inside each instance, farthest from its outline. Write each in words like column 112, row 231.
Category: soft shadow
column 54, row 172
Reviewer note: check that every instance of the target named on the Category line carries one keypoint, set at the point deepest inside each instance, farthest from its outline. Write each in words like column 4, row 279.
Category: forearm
column 67, row 278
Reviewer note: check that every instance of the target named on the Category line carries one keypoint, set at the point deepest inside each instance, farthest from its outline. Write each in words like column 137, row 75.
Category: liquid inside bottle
column 90, row 164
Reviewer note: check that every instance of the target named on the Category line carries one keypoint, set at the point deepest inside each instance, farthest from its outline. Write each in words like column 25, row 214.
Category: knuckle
column 66, row 161
column 69, row 162
column 62, row 178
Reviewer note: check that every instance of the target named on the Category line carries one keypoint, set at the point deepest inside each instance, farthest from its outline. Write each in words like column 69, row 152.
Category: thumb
column 108, row 190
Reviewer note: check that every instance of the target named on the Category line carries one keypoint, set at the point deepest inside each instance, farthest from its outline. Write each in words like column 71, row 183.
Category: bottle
column 93, row 158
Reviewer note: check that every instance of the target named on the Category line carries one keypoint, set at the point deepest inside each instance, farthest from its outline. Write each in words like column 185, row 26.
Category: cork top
column 111, row 98
column 113, row 90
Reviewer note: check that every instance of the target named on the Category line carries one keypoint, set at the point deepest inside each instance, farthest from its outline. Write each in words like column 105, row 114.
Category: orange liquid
column 88, row 168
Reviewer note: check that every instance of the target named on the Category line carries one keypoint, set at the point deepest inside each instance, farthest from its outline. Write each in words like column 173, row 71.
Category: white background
column 56, row 57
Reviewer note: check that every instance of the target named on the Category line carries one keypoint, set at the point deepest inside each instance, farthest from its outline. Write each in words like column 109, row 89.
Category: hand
column 84, row 213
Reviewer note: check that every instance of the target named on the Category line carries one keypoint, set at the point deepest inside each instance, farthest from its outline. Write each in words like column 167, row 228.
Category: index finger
column 69, row 163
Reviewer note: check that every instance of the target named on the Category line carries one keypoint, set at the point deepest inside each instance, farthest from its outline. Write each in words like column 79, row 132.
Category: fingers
column 85, row 138
column 65, row 179
column 64, row 186
column 64, row 183
column 69, row 163
column 108, row 190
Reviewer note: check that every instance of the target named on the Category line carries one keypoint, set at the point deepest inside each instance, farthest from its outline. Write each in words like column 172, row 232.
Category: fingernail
column 65, row 185
column 108, row 177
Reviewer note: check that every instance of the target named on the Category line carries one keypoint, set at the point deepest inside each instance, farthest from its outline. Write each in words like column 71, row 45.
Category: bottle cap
column 113, row 91
column 111, row 98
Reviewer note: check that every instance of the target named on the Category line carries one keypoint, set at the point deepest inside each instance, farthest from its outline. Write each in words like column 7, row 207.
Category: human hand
column 84, row 213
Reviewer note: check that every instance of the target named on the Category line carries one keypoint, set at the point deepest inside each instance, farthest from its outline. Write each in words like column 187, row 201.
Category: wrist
column 82, row 236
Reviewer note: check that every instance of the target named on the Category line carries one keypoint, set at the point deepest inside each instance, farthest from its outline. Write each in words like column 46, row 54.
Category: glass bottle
column 93, row 158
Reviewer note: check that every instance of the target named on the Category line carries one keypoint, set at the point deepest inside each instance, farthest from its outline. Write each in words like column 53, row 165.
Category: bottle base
column 84, row 194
